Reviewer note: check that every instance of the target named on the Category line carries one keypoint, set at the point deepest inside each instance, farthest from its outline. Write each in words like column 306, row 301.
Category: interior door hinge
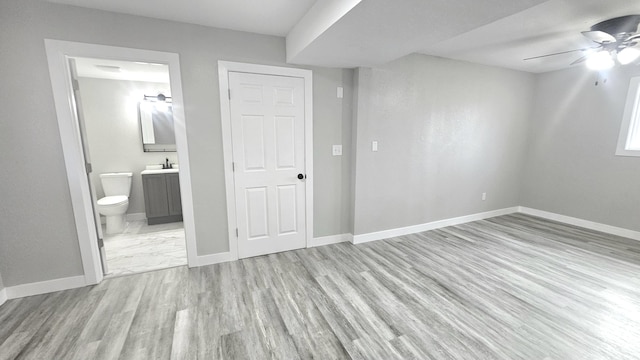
column 233, row 166
column 236, row 232
column 75, row 84
column 229, row 94
column 89, row 168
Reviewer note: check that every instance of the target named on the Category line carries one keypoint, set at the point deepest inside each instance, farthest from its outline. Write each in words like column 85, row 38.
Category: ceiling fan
column 616, row 38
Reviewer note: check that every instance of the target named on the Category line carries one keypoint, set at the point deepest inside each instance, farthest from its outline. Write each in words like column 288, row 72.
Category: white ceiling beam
column 322, row 15
column 374, row 32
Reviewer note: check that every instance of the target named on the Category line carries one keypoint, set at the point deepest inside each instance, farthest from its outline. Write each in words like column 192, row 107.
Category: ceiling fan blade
column 599, row 36
column 633, row 37
column 562, row 52
column 580, row 60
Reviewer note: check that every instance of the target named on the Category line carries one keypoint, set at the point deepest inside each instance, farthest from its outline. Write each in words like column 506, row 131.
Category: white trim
column 43, row 287
column 331, row 239
column 211, row 259
column 57, row 54
column 128, row 217
column 631, row 118
column 136, row 217
column 73, row 282
column 224, row 67
column 386, row 234
column 592, row 225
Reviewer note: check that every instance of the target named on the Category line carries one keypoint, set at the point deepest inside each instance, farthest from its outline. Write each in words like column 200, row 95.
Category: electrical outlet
column 484, row 196
column 337, row 150
column 340, row 92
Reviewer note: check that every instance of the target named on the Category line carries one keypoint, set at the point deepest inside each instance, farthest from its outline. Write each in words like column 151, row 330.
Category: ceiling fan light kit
column 617, row 39
column 601, row 60
column 628, row 55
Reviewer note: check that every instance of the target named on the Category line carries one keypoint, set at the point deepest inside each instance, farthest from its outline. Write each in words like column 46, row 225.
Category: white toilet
column 117, row 187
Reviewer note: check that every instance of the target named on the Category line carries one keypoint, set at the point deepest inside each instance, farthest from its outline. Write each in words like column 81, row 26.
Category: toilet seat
column 113, row 200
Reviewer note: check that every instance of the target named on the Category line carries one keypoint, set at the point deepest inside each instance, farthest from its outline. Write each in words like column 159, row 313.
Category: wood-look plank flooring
column 511, row 287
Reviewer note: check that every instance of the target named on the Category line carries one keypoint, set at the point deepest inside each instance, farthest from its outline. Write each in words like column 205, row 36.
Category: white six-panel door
column 267, row 128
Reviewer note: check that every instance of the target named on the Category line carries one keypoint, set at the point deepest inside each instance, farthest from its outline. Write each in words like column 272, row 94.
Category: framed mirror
column 156, row 124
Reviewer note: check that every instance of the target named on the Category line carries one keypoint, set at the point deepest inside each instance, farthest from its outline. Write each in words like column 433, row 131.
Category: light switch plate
column 340, row 92
column 374, row 145
column 337, row 150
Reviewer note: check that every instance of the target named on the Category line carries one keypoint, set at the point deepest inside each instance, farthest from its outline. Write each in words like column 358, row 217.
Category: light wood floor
column 511, row 287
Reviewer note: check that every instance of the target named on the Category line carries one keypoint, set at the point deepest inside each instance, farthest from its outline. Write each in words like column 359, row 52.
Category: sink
column 159, row 171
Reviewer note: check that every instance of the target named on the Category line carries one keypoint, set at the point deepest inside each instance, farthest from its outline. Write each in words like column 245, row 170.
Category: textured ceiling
column 377, row 31
column 369, row 32
column 550, row 27
column 271, row 17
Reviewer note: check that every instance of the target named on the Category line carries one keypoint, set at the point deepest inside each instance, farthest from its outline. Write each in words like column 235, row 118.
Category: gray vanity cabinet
column 162, row 198
column 173, row 194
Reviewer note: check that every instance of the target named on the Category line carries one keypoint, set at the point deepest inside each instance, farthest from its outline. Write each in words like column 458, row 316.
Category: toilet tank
column 116, row 183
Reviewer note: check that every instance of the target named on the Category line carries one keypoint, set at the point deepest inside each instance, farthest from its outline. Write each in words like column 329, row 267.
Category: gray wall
column 447, row 131
column 37, row 230
column 113, row 130
column 571, row 167
column 332, row 173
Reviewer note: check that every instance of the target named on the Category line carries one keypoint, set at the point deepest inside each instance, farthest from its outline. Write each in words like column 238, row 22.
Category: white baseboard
column 136, row 217
column 127, row 217
column 3, row 296
column 204, row 260
column 44, row 287
column 48, row 286
column 331, row 239
column 386, row 234
column 592, row 225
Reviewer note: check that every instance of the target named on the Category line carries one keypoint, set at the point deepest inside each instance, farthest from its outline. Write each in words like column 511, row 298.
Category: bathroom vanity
column 162, row 201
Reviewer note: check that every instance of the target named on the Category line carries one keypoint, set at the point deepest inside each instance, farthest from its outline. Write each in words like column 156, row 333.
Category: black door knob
column 300, row 176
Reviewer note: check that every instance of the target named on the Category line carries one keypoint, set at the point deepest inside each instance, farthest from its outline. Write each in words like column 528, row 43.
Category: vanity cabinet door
column 155, row 195
column 173, row 193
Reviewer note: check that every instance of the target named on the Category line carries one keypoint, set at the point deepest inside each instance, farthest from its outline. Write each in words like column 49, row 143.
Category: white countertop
column 159, row 171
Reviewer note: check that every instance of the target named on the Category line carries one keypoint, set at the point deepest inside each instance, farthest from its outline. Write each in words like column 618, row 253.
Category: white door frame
column 224, row 67
column 57, row 54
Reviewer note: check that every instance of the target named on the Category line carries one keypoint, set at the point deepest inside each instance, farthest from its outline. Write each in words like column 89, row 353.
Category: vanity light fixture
column 159, row 97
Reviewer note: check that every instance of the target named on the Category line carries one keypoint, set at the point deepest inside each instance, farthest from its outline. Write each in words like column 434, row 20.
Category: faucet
column 166, row 164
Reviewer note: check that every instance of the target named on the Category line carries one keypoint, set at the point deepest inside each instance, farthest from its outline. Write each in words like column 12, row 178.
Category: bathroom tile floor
column 141, row 247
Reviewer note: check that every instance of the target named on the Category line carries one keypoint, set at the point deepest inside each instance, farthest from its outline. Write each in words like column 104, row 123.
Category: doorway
column 58, row 55
column 267, row 141
column 124, row 111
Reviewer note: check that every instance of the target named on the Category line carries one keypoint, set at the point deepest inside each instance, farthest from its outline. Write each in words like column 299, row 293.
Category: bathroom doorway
column 126, row 122
column 110, row 103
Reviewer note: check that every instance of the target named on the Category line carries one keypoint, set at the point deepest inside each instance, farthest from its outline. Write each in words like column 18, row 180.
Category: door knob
column 300, row 176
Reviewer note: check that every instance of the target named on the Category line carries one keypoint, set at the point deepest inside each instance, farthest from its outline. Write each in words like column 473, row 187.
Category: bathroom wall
column 37, row 228
column 113, row 130
column 447, row 131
